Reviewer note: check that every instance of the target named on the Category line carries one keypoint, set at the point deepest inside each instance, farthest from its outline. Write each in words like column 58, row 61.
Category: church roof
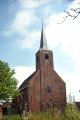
column 25, row 82
column 43, row 43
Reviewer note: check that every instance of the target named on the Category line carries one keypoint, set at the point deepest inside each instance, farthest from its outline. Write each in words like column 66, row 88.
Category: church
column 44, row 88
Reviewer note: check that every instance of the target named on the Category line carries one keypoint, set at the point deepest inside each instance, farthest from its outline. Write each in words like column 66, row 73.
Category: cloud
column 24, row 18
column 74, row 4
column 72, row 81
column 28, row 3
column 21, row 22
column 30, row 40
column 32, row 4
column 66, row 35
column 37, row 3
column 22, row 72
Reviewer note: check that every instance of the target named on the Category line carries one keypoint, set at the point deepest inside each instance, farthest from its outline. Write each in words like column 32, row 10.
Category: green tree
column 72, row 112
column 8, row 83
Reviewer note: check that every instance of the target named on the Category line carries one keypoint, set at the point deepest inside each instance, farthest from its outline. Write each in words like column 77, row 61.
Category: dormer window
column 46, row 56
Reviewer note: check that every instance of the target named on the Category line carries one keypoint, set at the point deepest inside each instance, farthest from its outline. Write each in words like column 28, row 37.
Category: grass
column 33, row 116
column 11, row 117
column 70, row 113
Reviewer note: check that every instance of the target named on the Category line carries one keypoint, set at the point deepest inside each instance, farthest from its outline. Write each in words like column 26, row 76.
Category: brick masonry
column 44, row 88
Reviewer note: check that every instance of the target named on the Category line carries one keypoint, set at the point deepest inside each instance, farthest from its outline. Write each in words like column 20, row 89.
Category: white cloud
column 22, row 72
column 28, row 3
column 26, row 43
column 75, row 4
column 67, row 36
column 32, row 3
column 21, row 22
column 37, row 3
column 72, row 83
column 47, row 10
column 30, row 40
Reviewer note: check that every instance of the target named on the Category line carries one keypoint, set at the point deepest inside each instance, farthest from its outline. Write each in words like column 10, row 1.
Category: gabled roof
column 25, row 82
column 60, row 79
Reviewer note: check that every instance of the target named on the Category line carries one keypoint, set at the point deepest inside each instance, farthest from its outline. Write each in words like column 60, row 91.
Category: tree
column 73, row 13
column 8, row 83
column 72, row 112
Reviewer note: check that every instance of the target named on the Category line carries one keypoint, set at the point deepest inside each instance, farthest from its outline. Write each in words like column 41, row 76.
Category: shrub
column 72, row 112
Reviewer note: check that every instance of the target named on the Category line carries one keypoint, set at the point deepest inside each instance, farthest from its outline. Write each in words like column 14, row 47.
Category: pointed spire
column 43, row 43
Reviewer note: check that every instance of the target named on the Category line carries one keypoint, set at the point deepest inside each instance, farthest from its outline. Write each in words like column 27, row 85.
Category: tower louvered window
column 46, row 56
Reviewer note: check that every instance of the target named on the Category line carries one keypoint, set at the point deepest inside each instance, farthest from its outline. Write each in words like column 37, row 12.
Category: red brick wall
column 41, row 97
column 45, row 88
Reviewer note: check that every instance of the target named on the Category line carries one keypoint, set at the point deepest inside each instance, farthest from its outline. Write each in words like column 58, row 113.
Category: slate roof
column 43, row 43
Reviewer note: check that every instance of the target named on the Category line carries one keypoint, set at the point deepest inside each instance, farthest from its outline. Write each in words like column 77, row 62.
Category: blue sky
column 20, row 30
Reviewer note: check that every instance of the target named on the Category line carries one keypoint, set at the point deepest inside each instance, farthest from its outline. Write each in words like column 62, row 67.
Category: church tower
column 51, row 85
column 44, row 88
column 44, row 57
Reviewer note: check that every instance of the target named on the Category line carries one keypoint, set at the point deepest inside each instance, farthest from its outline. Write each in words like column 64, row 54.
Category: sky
column 20, row 30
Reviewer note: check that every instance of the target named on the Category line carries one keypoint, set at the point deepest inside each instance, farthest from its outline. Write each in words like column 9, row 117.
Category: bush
column 72, row 112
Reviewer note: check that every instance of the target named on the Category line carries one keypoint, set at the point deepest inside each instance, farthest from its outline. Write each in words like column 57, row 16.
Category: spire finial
column 43, row 43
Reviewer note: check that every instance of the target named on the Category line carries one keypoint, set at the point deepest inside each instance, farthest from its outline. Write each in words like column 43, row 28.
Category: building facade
column 44, row 88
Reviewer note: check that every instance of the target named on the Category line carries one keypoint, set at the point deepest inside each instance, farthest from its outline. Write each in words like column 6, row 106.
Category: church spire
column 43, row 43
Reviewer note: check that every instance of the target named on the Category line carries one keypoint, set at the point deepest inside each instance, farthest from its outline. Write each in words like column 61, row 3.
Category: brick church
column 44, row 88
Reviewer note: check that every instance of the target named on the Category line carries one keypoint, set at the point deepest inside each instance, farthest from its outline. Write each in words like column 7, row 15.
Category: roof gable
column 25, row 82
